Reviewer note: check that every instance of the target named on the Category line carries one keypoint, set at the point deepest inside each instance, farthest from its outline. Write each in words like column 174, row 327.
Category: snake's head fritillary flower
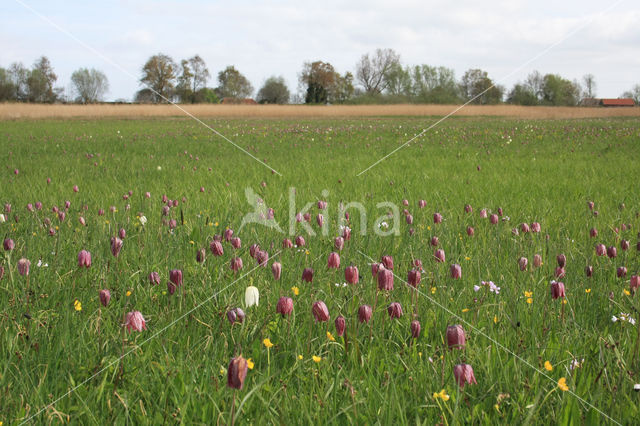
column 340, row 324
column 422, row 204
column 228, row 233
column 236, row 264
column 8, row 244
column 351, row 274
column 483, row 213
column 437, row 218
column 464, row 374
column 216, row 248
column 557, row 289
column 84, row 259
column 154, row 278
column 634, row 283
column 456, row 271
column 307, row 275
column 593, row 232
column 470, row 231
column 236, row 243
column 414, row 277
column 364, row 313
column 624, row 245
column 524, row 228
column 562, row 260
column 415, row 329
column 522, row 263
column 468, row 208
column 601, row 250
column 621, row 272
column 435, row 241
column 175, row 276
column 456, row 337
column 105, row 297
column 588, row 271
column 116, row 246
column 201, row 255
column 612, row 251
column 439, row 255
column 284, row 306
column 251, row 296
column 135, row 321
column 320, row 311
column 494, row 219
column 394, row 310
column 338, row 242
column 237, row 372
column 387, row 261
column 334, row 260
column 287, row 243
column 236, row 315
column 385, row 279
column 535, row 227
column 300, row 242
column 23, row 266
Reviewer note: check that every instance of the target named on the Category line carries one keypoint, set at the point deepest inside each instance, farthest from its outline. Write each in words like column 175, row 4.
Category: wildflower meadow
column 153, row 272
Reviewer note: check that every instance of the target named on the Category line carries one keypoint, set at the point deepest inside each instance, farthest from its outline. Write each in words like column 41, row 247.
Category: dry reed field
column 12, row 111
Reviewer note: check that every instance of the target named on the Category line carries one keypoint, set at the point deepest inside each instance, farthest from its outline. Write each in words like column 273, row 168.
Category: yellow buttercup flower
column 442, row 395
column 222, row 371
column 465, row 310
column 588, row 290
column 77, row 305
column 495, row 319
column 300, row 357
column 128, row 293
column 295, row 290
column 316, row 358
column 562, row 384
column 626, row 292
column 267, row 343
column 250, row 364
column 330, row 337
column 548, row 366
column 529, row 300
column 433, row 290
column 528, row 293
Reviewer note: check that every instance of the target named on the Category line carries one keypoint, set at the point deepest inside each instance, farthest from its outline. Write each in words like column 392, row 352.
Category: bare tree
column 589, row 83
column 371, row 71
column 90, row 85
column 159, row 74
column 634, row 94
column 200, row 73
column 535, row 84
column 19, row 75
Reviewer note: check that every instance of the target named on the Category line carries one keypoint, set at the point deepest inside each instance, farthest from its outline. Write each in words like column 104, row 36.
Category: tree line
column 379, row 77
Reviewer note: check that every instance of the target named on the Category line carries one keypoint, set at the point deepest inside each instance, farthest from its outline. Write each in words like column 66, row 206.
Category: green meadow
column 66, row 358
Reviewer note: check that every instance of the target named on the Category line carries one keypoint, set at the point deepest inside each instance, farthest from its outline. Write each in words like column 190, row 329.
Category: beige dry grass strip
column 20, row 111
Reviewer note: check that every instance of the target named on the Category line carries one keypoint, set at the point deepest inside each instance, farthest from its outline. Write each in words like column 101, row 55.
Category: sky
column 507, row 38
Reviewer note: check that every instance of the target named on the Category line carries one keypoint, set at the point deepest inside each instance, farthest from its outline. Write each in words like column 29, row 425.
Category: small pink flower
column 351, row 274
column 334, row 260
column 135, row 321
column 154, row 278
column 276, row 270
column 415, row 329
column 216, row 248
column 236, row 243
column 414, row 277
column 524, row 228
column 105, row 297
column 537, row 260
column 287, row 243
column 483, row 213
column 435, row 241
column 116, row 246
column 284, row 306
column 456, row 271
column 493, row 219
column 557, row 289
column 394, row 310
column 23, row 266
column 307, row 275
column 621, row 272
column 75, row 188
column 320, row 311
column 439, row 255
column 523, row 262
column 456, row 337
column 387, row 261
column 464, row 374
column 364, row 313
column 84, row 259
column 236, row 264
column 601, row 250
column 385, row 279
column 468, row 208
column 470, row 231
column 437, row 218
column 340, row 324
column 300, row 242
column 422, row 204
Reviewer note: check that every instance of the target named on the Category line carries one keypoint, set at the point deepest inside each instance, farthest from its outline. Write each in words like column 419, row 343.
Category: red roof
column 617, row 102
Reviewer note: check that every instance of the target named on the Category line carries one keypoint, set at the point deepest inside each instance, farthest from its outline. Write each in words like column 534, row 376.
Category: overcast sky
column 264, row 38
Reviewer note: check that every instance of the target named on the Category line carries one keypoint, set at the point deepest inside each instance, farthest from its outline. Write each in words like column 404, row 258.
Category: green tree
column 274, row 91
column 398, row 80
column 159, row 75
column 434, row 85
column 477, row 87
column 19, row 75
column 7, row 89
column 559, row 91
column 521, row 94
column 40, row 82
column 90, row 85
column 323, row 84
column 232, row 84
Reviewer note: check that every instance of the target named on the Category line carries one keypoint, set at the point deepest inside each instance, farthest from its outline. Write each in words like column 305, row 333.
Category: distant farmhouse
column 619, row 102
